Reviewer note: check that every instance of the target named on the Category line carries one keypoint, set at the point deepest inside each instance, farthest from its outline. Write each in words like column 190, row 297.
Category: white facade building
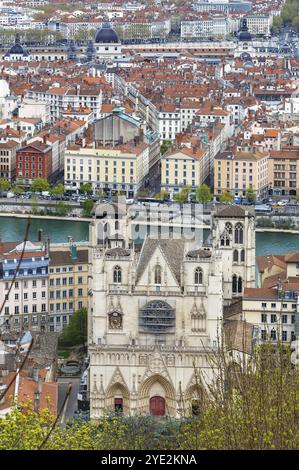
column 154, row 313
column 218, row 27
column 259, row 24
column 35, row 109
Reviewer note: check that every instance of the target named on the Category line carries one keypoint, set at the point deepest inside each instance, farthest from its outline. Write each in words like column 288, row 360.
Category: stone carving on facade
column 102, row 392
column 170, row 360
column 115, row 320
column 198, row 317
column 117, row 378
column 115, row 315
column 95, row 388
column 143, row 360
column 156, row 366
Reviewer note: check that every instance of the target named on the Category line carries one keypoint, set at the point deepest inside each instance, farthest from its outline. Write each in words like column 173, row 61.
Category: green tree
column 62, row 209
column 226, row 197
column 87, row 207
column 203, row 194
column 277, row 24
column 166, row 144
column 5, row 185
column 58, row 190
column 163, row 195
column 86, row 188
column 40, row 184
column 250, row 194
column 75, row 333
column 18, row 190
column 182, row 195
column 246, row 403
column 142, row 193
column 295, row 23
column 34, row 205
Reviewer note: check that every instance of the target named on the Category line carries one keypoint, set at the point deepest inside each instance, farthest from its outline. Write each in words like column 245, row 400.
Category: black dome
column 106, row 35
column 17, row 48
column 244, row 36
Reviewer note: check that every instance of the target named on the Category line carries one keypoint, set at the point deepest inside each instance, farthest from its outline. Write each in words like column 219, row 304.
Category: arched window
column 229, row 227
column 235, row 284
column 236, row 256
column 158, row 274
column 117, row 275
column 225, row 240
column 198, row 276
column 240, row 285
column 242, row 255
column 239, row 233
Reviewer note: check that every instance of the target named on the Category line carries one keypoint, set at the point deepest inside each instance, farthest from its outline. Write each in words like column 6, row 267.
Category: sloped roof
column 234, row 211
column 292, row 257
column 264, row 262
column 173, row 250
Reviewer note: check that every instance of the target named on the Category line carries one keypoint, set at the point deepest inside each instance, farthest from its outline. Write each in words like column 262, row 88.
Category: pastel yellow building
column 68, row 284
column 184, row 167
column 283, row 172
column 237, row 171
column 111, row 169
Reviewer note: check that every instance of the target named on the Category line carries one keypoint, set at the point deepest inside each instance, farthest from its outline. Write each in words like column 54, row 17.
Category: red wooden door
column 157, row 406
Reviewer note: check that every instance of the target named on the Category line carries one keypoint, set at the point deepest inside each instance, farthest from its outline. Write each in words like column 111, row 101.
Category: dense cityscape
column 149, row 225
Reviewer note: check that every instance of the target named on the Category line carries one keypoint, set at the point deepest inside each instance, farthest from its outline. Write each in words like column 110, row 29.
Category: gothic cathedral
column 155, row 310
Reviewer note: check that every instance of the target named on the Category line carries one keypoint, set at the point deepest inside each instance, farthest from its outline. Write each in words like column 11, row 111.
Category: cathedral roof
column 234, row 211
column 173, row 251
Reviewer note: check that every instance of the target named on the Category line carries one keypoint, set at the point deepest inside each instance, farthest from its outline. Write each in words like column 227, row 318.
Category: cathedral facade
column 155, row 311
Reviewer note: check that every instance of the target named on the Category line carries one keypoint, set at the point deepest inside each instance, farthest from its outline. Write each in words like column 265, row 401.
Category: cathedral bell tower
column 233, row 235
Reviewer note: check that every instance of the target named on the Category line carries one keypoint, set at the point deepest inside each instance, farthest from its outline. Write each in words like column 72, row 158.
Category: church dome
column 244, row 34
column 106, row 35
column 17, row 48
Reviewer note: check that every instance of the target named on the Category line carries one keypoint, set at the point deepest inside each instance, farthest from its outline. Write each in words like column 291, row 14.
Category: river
column 13, row 229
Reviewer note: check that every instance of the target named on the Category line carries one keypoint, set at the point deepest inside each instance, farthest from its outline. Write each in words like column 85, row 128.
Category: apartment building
column 68, row 97
column 169, row 121
column 68, row 284
column 283, row 172
column 34, row 161
column 111, row 169
column 206, row 27
column 184, row 167
column 188, row 109
column 26, row 304
column 259, row 24
column 210, row 113
column 237, row 171
column 273, row 312
column 134, row 29
column 8, row 159
column 223, row 6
